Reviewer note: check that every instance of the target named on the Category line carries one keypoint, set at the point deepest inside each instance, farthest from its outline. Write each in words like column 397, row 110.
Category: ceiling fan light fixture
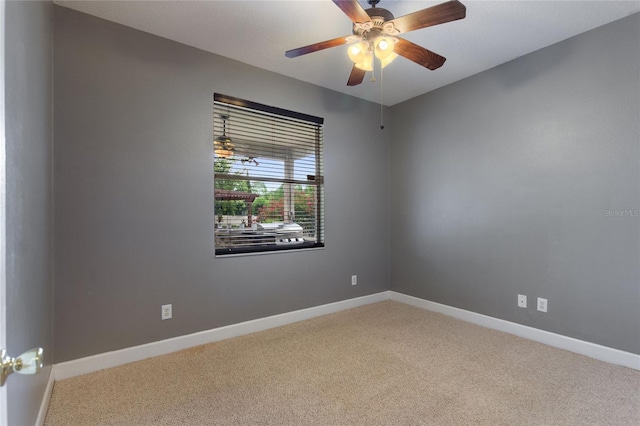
column 366, row 66
column 223, row 153
column 223, row 146
column 367, row 63
column 388, row 59
column 384, row 46
column 359, row 52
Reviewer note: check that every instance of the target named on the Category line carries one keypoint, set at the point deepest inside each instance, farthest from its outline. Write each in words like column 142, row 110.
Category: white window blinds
column 268, row 178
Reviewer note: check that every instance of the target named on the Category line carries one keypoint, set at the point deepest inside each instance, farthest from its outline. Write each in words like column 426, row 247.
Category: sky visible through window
column 272, row 168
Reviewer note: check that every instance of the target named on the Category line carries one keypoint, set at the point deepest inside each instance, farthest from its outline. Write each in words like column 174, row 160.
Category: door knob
column 29, row 362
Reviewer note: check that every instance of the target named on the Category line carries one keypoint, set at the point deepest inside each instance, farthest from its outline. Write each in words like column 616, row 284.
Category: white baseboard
column 91, row 364
column 44, row 405
column 602, row 353
column 105, row 360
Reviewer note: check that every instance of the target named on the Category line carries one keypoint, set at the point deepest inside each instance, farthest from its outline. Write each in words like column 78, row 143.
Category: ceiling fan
column 375, row 33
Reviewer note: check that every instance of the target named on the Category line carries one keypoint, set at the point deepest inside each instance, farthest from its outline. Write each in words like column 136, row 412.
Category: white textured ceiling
column 259, row 32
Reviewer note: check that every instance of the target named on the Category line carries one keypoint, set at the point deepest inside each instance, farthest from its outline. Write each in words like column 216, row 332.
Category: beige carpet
column 382, row 364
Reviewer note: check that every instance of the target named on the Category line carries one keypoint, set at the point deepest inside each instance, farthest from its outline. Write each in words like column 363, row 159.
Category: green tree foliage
column 304, row 201
column 227, row 207
column 269, row 205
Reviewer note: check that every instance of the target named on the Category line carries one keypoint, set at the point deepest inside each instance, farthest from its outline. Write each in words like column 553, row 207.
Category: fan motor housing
column 380, row 13
column 378, row 17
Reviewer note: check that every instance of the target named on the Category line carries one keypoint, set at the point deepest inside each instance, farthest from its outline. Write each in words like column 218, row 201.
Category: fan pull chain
column 381, row 93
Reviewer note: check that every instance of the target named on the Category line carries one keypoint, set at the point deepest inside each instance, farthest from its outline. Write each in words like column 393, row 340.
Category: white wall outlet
column 166, row 312
column 522, row 301
column 354, row 279
column 542, row 304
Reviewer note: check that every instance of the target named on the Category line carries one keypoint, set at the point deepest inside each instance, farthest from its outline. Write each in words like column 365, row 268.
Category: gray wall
column 133, row 193
column 501, row 185
column 28, row 97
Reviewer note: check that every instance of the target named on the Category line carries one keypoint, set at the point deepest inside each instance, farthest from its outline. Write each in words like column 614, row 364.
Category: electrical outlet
column 522, row 301
column 542, row 304
column 166, row 312
column 354, row 279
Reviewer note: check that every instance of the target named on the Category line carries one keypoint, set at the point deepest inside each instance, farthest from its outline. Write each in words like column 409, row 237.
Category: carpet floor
column 381, row 364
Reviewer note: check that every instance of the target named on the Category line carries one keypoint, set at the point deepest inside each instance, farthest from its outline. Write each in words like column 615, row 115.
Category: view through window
column 268, row 178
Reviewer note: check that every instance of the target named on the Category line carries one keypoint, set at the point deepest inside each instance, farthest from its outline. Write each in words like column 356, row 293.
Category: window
column 268, row 178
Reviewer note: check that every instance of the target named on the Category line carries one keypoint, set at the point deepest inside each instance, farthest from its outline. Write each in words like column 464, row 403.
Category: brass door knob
column 29, row 362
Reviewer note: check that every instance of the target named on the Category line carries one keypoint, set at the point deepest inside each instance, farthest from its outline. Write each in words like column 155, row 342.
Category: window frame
column 317, row 179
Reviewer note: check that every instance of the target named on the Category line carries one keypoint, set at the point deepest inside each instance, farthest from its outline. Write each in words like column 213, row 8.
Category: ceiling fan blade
column 316, row 47
column 418, row 54
column 353, row 10
column 439, row 14
column 356, row 76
